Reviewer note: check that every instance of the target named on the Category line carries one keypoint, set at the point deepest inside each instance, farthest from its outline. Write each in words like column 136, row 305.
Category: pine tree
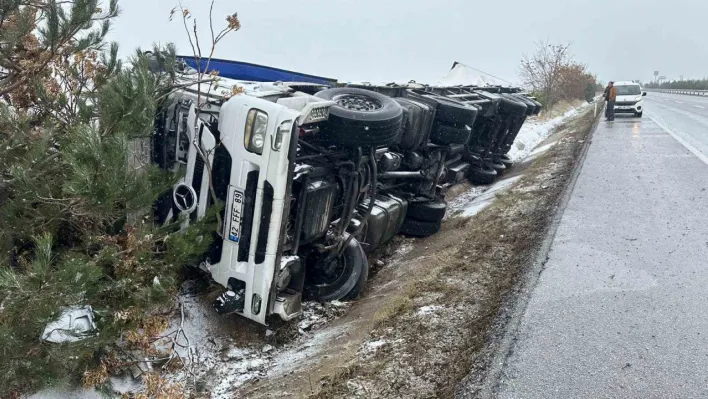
column 68, row 117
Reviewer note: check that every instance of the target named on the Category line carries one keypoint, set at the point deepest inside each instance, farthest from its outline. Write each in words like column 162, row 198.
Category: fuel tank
column 385, row 221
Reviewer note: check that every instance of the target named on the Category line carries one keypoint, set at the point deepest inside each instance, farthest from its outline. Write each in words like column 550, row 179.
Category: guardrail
column 681, row 91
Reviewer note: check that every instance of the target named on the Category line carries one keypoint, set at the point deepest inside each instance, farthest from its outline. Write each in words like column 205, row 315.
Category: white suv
column 629, row 98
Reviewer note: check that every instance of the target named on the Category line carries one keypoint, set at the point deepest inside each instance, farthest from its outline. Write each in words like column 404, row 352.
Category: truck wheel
column 433, row 211
column 499, row 167
column 506, row 160
column 418, row 228
column 455, row 113
column 361, row 117
column 342, row 278
column 444, row 134
column 482, row 174
column 512, row 106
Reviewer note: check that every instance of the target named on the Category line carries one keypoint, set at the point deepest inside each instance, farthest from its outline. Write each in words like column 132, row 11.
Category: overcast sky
column 400, row 40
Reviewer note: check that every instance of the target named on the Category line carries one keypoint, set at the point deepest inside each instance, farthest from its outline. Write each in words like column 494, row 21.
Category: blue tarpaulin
column 257, row 73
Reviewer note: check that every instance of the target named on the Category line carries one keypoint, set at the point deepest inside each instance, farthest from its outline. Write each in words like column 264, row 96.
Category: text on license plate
column 235, row 219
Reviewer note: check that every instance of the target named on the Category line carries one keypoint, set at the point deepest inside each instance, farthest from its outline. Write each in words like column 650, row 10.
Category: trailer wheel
column 342, row 278
column 444, row 134
column 455, row 113
column 506, row 160
column 512, row 106
column 433, row 211
column 419, row 228
column 361, row 117
column 499, row 167
column 482, row 174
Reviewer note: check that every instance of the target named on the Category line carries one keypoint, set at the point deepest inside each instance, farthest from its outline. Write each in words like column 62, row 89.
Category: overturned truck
column 314, row 177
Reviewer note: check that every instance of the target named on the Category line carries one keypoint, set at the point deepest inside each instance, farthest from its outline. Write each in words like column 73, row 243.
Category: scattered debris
column 74, row 324
column 316, row 314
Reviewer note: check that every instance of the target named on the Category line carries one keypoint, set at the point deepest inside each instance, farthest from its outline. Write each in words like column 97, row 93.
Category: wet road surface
column 621, row 307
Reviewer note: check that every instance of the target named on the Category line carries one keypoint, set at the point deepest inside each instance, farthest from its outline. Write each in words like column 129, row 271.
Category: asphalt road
column 621, row 308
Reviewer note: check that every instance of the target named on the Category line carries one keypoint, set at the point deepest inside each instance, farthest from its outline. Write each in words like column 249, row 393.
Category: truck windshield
column 629, row 90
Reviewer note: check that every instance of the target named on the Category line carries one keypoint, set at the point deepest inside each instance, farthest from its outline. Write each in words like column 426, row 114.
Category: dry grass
column 559, row 109
column 399, row 304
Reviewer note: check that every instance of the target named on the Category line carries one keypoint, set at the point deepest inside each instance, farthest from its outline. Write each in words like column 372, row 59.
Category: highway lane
column 685, row 117
column 620, row 309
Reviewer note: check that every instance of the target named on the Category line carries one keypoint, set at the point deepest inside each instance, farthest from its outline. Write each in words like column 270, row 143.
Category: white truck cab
column 629, row 98
column 247, row 141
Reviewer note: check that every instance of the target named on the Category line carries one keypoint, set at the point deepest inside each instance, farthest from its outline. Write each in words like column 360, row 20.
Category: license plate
column 236, row 213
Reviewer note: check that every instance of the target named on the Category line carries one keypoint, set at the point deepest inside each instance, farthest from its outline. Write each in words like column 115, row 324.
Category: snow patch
column 486, row 199
column 462, row 201
column 428, row 310
column 534, row 131
column 237, row 366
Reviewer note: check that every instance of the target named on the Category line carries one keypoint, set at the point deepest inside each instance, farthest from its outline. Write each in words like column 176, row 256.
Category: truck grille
column 249, row 206
column 266, row 211
column 625, row 103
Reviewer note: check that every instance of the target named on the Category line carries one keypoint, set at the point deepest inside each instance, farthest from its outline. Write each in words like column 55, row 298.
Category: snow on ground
column 535, row 131
column 462, row 201
column 487, row 198
column 234, row 366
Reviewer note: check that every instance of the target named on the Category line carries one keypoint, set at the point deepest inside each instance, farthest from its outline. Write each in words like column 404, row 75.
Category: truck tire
column 418, row 228
column 455, row 113
column 512, row 106
column 499, row 167
column 361, row 117
column 347, row 283
column 483, row 175
column 506, row 160
column 429, row 211
column 444, row 134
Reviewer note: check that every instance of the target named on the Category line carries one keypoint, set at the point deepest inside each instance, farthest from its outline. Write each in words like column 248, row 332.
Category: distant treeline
column 696, row 84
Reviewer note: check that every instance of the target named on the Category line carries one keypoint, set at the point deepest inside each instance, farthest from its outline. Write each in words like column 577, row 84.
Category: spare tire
column 444, row 134
column 361, row 117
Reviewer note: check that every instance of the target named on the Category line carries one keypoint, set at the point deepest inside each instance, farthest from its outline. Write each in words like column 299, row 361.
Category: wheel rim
column 330, row 278
column 356, row 102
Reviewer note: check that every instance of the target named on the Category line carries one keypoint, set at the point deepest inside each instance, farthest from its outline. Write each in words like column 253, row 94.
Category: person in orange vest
column 610, row 97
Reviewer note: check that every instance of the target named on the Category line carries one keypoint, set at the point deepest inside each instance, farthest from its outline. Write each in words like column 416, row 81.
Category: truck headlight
column 256, row 129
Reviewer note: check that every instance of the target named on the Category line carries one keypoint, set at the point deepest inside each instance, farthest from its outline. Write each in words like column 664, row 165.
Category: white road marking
column 683, row 142
column 678, row 102
column 698, row 106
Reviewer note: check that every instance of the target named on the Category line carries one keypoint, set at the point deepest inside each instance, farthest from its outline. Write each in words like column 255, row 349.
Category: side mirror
column 644, row 94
